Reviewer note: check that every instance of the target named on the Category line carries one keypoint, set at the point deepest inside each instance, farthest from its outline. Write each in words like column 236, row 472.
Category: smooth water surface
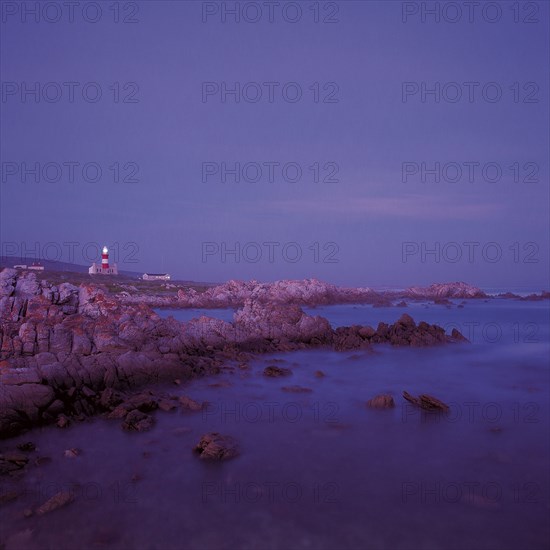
column 320, row 470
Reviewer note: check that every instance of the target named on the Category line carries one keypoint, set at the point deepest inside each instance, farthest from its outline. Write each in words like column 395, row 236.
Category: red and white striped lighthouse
column 105, row 258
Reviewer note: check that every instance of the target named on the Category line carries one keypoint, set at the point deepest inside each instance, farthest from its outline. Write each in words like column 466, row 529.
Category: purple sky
column 369, row 212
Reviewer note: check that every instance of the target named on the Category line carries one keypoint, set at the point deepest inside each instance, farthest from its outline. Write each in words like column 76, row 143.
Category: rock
column 190, row 404
column 296, row 389
column 110, row 398
column 458, row 336
column 29, row 446
column 366, row 332
column 57, row 501
column 382, row 401
column 407, row 321
column 446, row 290
column 87, row 392
column 56, row 408
column 166, row 405
column 222, row 384
column 144, row 402
column 137, row 421
column 274, row 371
column 12, row 461
column 8, row 496
column 351, row 338
column 216, row 447
column 72, row 453
column 426, row 402
column 319, row 374
column 42, row 460
column 62, row 421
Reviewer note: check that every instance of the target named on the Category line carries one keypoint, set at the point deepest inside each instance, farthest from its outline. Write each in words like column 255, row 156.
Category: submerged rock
column 57, row 501
column 274, row 372
column 216, row 447
column 72, row 453
column 189, row 404
column 29, row 446
column 458, row 336
column 296, row 389
column 12, row 461
column 426, row 402
column 137, row 421
column 382, row 401
column 62, row 421
column 167, row 405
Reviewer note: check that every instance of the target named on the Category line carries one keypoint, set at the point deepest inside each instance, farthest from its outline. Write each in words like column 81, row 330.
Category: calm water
column 319, row 470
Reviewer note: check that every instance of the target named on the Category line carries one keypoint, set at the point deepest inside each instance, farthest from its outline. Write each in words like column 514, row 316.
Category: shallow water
column 320, row 470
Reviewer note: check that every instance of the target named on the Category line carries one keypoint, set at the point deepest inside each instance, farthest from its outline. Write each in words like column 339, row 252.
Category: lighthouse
column 104, row 268
column 105, row 258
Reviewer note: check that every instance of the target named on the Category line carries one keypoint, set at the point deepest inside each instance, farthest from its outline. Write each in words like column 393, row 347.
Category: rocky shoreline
column 63, row 346
column 307, row 292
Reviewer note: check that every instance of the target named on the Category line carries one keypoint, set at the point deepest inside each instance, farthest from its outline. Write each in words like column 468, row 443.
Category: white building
column 36, row 267
column 156, row 277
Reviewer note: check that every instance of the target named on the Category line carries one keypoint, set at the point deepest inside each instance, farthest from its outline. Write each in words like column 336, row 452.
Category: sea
column 318, row 469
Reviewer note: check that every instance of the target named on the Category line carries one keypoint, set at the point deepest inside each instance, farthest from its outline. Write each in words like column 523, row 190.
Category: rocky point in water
column 69, row 352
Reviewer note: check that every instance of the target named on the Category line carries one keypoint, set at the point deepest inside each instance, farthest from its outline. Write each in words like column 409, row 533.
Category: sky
column 376, row 143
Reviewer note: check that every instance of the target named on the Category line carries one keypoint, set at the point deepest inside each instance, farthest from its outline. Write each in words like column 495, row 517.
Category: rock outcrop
column 306, row 292
column 404, row 332
column 445, row 290
column 426, row 402
column 217, row 447
column 68, row 351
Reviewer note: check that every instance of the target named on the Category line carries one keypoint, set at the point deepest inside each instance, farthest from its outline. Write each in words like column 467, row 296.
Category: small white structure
column 104, row 268
column 20, row 266
column 156, row 277
column 36, row 267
